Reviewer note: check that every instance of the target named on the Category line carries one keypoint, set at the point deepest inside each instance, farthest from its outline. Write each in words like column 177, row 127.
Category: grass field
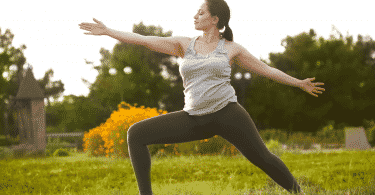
column 324, row 172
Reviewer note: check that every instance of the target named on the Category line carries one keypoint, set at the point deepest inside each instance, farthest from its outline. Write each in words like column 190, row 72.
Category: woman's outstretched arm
column 248, row 61
column 167, row 45
column 100, row 29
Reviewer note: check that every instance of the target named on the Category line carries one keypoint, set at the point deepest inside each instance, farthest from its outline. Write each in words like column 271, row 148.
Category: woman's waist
column 209, row 93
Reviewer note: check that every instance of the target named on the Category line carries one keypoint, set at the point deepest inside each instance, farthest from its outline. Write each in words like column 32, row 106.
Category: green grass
column 343, row 172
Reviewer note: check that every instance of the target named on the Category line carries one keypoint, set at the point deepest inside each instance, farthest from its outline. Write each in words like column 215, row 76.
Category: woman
column 211, row 106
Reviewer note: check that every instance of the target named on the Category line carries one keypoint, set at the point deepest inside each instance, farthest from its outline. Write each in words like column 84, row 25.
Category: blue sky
column 54, row 40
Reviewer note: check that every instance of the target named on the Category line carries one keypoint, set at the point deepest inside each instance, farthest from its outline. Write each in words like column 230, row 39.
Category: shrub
column 2, row 153
column 301, row 140
column 216, row 145
column 14, row 141
column 61, row 152
column 274, row 134
column 94, row 144
column 110, row 138
column 48, row 153
column 185, row 149
column 161, row 154
column 275, row 147
column 54, row 144
column 369, row 126
column 328, row 134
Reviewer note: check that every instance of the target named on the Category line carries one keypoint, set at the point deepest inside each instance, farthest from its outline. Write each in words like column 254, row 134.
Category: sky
column 50, row 30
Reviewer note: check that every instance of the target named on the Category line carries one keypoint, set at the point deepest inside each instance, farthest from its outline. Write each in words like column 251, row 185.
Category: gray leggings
column 232, row 123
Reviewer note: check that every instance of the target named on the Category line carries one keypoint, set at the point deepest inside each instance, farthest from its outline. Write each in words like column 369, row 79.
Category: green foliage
column 160, row 154
column 212, row 146
column 4, row 141
column 329, row 135
column 186, row 148
column 61, row 152
column 274, row 134
column 53, row 144
column 300, row 140
column 48, row 153
column 275, row 147
column 20, row 153
column 369, row 126
column 2, row 153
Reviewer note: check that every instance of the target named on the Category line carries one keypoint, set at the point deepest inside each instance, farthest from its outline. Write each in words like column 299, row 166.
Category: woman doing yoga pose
column 211, row 106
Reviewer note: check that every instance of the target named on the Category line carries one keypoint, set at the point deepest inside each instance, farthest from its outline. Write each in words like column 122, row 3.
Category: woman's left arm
column 248, row 61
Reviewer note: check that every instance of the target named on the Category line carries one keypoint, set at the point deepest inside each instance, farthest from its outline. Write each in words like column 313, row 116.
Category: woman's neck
column 209, row 39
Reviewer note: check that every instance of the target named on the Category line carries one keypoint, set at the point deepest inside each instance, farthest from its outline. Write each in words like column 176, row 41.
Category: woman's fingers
column 97, row 21
column 95, row 29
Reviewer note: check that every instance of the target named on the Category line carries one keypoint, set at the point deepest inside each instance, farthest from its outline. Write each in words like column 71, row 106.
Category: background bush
column 61, row 152
column 329, row 135
column 275, row 147
column 54, row 144
column 110, row 138
column 274, row 134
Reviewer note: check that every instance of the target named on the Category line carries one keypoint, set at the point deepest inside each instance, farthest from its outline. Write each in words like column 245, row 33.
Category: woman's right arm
column 167, row 45
column 126, row 37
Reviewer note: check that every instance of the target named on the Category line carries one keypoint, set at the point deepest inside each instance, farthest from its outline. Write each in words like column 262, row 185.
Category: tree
column 12, row 57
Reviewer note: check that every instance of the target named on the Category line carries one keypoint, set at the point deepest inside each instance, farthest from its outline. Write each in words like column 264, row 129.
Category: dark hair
column 221, row 9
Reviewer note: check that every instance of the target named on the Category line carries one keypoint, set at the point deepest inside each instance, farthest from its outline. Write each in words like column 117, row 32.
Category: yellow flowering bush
column 110, row 138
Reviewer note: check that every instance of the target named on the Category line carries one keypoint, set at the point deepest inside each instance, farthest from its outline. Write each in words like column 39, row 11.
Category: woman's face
column 203, row 19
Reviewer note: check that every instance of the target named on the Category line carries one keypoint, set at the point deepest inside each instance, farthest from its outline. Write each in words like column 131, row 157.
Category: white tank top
column 206, row 80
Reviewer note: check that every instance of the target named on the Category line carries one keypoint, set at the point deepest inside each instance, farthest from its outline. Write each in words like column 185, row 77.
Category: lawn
column 328, row 172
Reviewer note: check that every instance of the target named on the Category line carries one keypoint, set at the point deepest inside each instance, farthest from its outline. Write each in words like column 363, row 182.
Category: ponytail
column 227, row 34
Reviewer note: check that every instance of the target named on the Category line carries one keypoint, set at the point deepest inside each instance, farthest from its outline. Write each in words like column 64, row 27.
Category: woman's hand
column 95, row 29
column 310, row 87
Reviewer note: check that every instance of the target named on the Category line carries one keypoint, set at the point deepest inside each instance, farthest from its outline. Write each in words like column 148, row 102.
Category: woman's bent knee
column 131, row 134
